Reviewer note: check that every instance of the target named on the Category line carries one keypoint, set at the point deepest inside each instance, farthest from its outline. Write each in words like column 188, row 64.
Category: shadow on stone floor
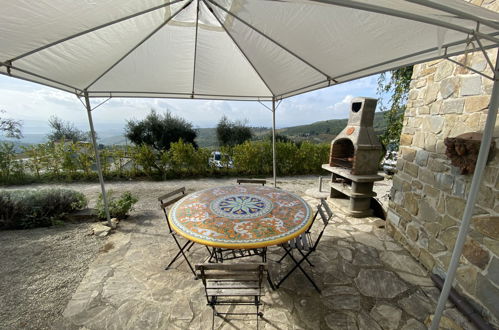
column 368, row 281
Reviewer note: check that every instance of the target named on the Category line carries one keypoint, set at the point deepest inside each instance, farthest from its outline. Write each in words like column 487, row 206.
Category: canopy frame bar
column 270, row 108
column 406, row 15
column 487, row 58
column 455, row 11
column 153, row 32
column 97, row 157
column 469, row 68
column 94, row 29
column 466, row 66
column 272, row 40
column 472, row 196
column 274, row 152
column 274, row 158
column 195, row 49
column 98, row 105
column 239, row 47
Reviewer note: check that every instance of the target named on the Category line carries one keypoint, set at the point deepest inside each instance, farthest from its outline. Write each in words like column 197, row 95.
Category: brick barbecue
column 354, row 160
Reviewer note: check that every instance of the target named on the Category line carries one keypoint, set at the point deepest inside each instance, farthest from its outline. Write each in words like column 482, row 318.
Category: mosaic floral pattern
column 241, row 206
column 250, row 216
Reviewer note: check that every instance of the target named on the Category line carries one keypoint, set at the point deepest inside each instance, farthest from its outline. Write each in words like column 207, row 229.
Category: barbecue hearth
column 354, row 160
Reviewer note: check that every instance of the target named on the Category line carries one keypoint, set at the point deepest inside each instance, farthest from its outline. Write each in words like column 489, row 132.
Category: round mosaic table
column 240, row 217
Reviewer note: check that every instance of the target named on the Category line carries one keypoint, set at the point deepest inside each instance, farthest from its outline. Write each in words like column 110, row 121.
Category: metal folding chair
column 165, row 201
column 305, row 245
column 232, row 284
column 253, row 181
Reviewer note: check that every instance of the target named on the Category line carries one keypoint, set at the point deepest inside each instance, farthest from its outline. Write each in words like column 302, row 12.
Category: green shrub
column 56, row 162
column 21, row 209
column 118, row 207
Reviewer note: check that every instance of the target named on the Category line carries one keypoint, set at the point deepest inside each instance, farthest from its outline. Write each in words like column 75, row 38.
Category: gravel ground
column 41, row 268
column 39, row 271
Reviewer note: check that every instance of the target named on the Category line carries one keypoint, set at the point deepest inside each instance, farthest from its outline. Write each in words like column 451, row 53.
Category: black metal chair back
column 168, row 199
column 325, row 213
column 165, row 201
column 232, row 284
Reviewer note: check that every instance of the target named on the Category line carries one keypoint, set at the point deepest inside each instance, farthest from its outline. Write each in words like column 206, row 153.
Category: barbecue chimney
column 354, row 159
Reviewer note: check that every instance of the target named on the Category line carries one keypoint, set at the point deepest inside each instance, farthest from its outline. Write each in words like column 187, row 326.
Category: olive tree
column 65, row 130
column 10, row 127
column 232, row 133
column 159, row 130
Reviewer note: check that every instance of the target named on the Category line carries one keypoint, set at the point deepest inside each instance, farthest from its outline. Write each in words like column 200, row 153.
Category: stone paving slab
column 368, row 281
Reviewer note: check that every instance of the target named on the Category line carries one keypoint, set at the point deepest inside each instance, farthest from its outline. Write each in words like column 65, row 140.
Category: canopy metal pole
column 273, row 144
column 97, row 158
column 470, row 203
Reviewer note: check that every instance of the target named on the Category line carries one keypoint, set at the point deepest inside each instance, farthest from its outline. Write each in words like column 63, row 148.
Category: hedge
column 70, row 162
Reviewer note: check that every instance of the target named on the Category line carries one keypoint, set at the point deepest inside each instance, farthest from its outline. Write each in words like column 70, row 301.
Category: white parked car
column 389, row 162
column 219, row 160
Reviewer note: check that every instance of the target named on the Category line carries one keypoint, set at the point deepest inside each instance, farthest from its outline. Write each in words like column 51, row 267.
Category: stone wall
column 429, row 194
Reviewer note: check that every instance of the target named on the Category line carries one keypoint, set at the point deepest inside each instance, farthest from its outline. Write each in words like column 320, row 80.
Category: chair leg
column 257, row 317
column 185, row 257
column 306, row 259
column 264, row 254
column 213, row 318
column 173, row 259
column 212, row 255
column 297, row 265
column 269, row 279
column 285, row 254
column 177, row 255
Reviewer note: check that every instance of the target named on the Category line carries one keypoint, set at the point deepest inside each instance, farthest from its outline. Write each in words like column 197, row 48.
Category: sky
column 34, row 104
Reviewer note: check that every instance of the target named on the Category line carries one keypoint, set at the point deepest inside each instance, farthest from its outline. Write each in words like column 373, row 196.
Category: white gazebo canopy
column 259, row 50
column 223, row 49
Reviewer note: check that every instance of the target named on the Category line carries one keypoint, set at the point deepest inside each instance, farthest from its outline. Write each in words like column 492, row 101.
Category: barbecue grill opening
column 356, row 106
column 342, row 153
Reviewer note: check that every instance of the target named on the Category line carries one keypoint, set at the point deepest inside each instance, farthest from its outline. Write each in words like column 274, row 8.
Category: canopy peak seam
column 238, row 47
column 272, row 40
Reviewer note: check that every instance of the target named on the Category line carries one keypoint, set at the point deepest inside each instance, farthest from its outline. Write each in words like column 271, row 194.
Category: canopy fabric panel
column 229, row 49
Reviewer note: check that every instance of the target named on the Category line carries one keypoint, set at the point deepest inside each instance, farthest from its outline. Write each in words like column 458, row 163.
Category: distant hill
column 318, row 132
column 333, row 127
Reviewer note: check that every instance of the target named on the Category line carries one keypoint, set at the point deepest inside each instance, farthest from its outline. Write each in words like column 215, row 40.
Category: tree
column 11, row 127
column 65, row 130
column 398, row 85
column 160, row 130
column 232, row 133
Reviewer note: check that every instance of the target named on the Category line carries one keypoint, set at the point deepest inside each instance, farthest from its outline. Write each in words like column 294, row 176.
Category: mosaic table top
column 240, row 216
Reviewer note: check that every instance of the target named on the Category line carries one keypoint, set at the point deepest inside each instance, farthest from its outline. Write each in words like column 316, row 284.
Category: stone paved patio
column 368, row 281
